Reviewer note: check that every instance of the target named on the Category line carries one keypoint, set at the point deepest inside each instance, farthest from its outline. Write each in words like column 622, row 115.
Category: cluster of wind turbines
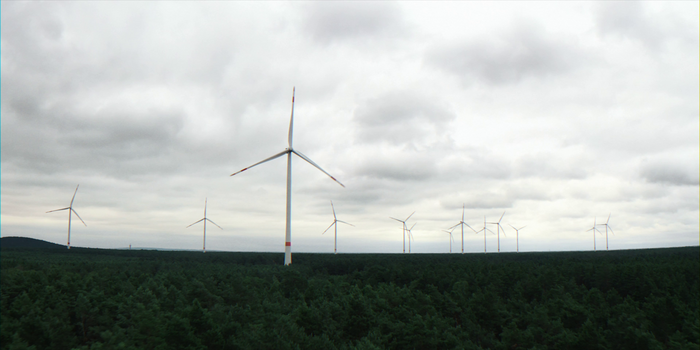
column 461, row 224
column 288, row 234
column 595, row 228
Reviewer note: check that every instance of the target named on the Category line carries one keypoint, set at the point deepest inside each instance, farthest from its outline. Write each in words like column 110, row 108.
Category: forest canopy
column 129, row 299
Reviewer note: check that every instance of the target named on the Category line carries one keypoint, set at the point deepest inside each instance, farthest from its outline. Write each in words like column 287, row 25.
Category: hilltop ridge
column 26, row 242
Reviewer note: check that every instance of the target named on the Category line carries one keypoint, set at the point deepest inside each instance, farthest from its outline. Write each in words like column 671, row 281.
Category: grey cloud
column 403, row 118
column 523, row 51
column 632, row 20
column 327, row 22
column 669, row 171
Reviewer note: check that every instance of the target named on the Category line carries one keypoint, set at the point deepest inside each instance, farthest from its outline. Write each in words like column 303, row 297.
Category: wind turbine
column 594, row 229
column 461, row 223
column 70, row 212
column 205, row 219
column 517, row 242
column 410, row 237
column 288, row 151
column 335, row 222
column 606, row 231
column 485, row 229
column 451, row 238
column 499, row 228
column 404, row 229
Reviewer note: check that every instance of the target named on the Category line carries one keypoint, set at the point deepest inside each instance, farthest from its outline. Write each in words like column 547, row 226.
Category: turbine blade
column 454, row 226
column 76, row 214
column 195, row 223
column 522, row 227
column 409, row 216
column 291, row 119
column 316, row 165
column 58, row 209
column 611, row 230
column 470, row 227
column 263, row 161
column 74, row 193
column 332, row 207
column 499, row 220
column 395, row 219
column 608, row 218
column 414, row 225
column 215, row 224
column 512, row 227
column 347, row 223
column 324, row 231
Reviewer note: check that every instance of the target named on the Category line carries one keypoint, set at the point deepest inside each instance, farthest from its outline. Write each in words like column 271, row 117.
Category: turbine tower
column 451, row 238
column 335, row 222
column 288, row 151
column 404, row 229
column 205, row 219
column 70, row 212
column 499, row 228
column 594, row 229
column 517, row 242
column 461, row 223
column 485, row 229
column 410, row 237
column 606, row 231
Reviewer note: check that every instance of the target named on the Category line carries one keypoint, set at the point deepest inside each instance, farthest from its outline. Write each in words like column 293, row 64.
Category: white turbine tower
column 451, row 238
column 70, row 212
column 462, row 223
column 517, row 242
column 594, row 229
column 499, row 228
column 288, row 151
column 205, row 219
column 410, row 237
column 606, row 231
column 335, row 222
column 404, row 229
column 485, row 229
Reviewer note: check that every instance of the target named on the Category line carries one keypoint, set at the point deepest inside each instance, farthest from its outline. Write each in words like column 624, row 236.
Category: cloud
column 329, row 22
column 403, row 118
column 633, row 20
column 522, row 51
column 670, row 170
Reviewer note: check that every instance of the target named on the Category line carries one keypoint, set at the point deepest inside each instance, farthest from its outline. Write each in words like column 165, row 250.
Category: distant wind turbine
column 404, row 229
column 462, row 223
column 517, row 241
column 485, row 229
column 70, row 212
column 205, row 219
column 594, row 229
column 335, row 222
column 288, row 151
column 606, row 231
column 451, row 238
column 499, row 228
column 410, row 237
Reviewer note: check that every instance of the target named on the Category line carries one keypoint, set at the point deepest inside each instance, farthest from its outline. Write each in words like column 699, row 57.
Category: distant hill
column 26, row 242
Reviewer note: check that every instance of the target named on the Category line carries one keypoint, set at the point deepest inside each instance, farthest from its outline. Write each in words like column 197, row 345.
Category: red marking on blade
column 288, row 244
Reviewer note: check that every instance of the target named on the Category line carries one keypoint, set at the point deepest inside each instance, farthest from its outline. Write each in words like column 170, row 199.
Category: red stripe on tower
column 288, row 244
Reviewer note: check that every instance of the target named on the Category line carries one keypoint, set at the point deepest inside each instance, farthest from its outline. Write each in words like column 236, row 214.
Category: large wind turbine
column 288, row 151
column 499, row 228
column 404, row 229
column 205, row 219
column 485, row 229
column 606, row 231
column 70, row 212
column 461, row 223
column 335, row 222
column 594, row 229
column 517, row 242
column 451, row 238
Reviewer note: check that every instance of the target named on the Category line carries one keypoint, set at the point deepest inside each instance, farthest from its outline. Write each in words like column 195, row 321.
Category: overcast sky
column 556, row 113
